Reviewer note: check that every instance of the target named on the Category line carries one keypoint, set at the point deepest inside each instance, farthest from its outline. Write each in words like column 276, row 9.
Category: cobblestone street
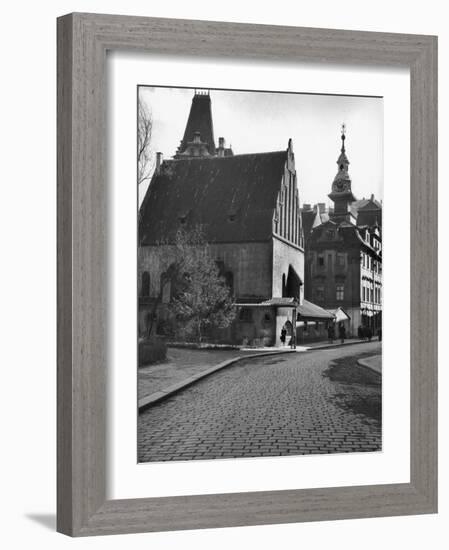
column 272, row 406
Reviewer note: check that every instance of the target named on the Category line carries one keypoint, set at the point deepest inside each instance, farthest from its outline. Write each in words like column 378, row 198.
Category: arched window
column 145, row 288
column 229, row 278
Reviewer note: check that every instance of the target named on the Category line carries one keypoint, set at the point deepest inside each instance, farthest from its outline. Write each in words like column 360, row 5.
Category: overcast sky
column 255, row 122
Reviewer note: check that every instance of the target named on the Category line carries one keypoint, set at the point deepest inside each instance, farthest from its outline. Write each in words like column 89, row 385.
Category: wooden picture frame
column 83, row 40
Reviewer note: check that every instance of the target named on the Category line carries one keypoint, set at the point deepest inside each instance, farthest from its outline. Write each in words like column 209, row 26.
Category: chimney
column 221, row 147
column 306, row 207
column 158, row 162
column 322, row 207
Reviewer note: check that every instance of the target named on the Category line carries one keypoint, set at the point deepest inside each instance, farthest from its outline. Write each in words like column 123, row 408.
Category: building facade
column 343, row 247
column 248, row 209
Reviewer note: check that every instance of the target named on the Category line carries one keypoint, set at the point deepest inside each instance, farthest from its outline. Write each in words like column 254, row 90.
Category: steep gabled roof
column 232, row 198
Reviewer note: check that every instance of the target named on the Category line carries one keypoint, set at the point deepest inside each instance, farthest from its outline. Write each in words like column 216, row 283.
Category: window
column 246, row 315
column 267, row 318
column 229, row 278
column 319, row 293
column 363, row 259
column 145, row 288
column 363, row 294
column 220, row 266
column 166, row 291
column 320, row 260
column 340, row 260
column 340, row 292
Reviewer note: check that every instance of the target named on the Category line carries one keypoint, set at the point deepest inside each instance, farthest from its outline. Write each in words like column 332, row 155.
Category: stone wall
column 284, row 256
column 249, row 263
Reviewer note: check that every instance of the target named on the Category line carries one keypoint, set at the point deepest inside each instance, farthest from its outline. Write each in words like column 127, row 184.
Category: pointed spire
column 342, row 161
column 341, row 192
column 198, row 137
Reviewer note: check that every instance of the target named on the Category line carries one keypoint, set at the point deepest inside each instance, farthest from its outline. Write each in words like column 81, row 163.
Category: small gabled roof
column 367, row 204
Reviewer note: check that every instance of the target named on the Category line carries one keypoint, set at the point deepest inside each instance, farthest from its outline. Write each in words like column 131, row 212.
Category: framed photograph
column 247, row 274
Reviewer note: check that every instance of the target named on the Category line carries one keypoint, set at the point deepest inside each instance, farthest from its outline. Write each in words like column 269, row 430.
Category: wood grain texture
column 83, row 40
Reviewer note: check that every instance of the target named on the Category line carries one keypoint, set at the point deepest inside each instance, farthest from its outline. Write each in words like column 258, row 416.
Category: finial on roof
column 343, row 137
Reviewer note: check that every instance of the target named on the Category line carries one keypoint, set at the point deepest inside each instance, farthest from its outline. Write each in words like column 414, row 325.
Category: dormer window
column 232, row 217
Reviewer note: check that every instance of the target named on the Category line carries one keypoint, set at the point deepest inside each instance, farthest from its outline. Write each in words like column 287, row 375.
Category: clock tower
column 341, row 193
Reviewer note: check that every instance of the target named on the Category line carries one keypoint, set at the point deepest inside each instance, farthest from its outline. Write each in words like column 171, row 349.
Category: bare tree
column 144, row 153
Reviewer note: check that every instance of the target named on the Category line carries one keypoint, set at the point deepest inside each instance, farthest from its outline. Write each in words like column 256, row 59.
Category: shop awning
column 340, row 314
column 272, row 302
column 308, row 311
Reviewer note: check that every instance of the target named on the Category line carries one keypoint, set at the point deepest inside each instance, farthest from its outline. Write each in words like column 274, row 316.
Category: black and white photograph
column 259, row 273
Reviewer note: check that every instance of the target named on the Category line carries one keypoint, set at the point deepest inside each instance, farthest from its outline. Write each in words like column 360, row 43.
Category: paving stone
column 256, row 408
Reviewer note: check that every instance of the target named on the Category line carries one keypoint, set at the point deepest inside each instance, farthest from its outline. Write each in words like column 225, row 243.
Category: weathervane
column 343, row 137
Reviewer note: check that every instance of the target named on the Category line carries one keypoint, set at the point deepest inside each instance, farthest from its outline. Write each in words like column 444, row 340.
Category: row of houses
column 288, row 267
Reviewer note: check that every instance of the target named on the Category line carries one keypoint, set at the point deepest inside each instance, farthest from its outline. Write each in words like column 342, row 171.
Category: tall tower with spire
column 198, row 139
column 341, row 193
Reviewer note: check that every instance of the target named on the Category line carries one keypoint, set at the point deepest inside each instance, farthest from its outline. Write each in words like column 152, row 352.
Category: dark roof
column 367, row 204
column 307, row 218
column 200, row 120
column 367, row 211
column 311, row 217
column 232, row 198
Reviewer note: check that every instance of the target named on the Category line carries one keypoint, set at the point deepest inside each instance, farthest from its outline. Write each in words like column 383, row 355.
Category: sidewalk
column 374, row 363
column 185, row 366
column 316, row 345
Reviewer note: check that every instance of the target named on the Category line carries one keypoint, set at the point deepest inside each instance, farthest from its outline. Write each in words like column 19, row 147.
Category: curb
column 365, row 363
column 156, row 397
column 334, row 346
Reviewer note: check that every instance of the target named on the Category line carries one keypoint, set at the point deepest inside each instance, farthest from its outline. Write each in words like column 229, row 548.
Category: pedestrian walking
column 331, row 333
column 283, row 335
column 342, row 332
column 360, row 332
